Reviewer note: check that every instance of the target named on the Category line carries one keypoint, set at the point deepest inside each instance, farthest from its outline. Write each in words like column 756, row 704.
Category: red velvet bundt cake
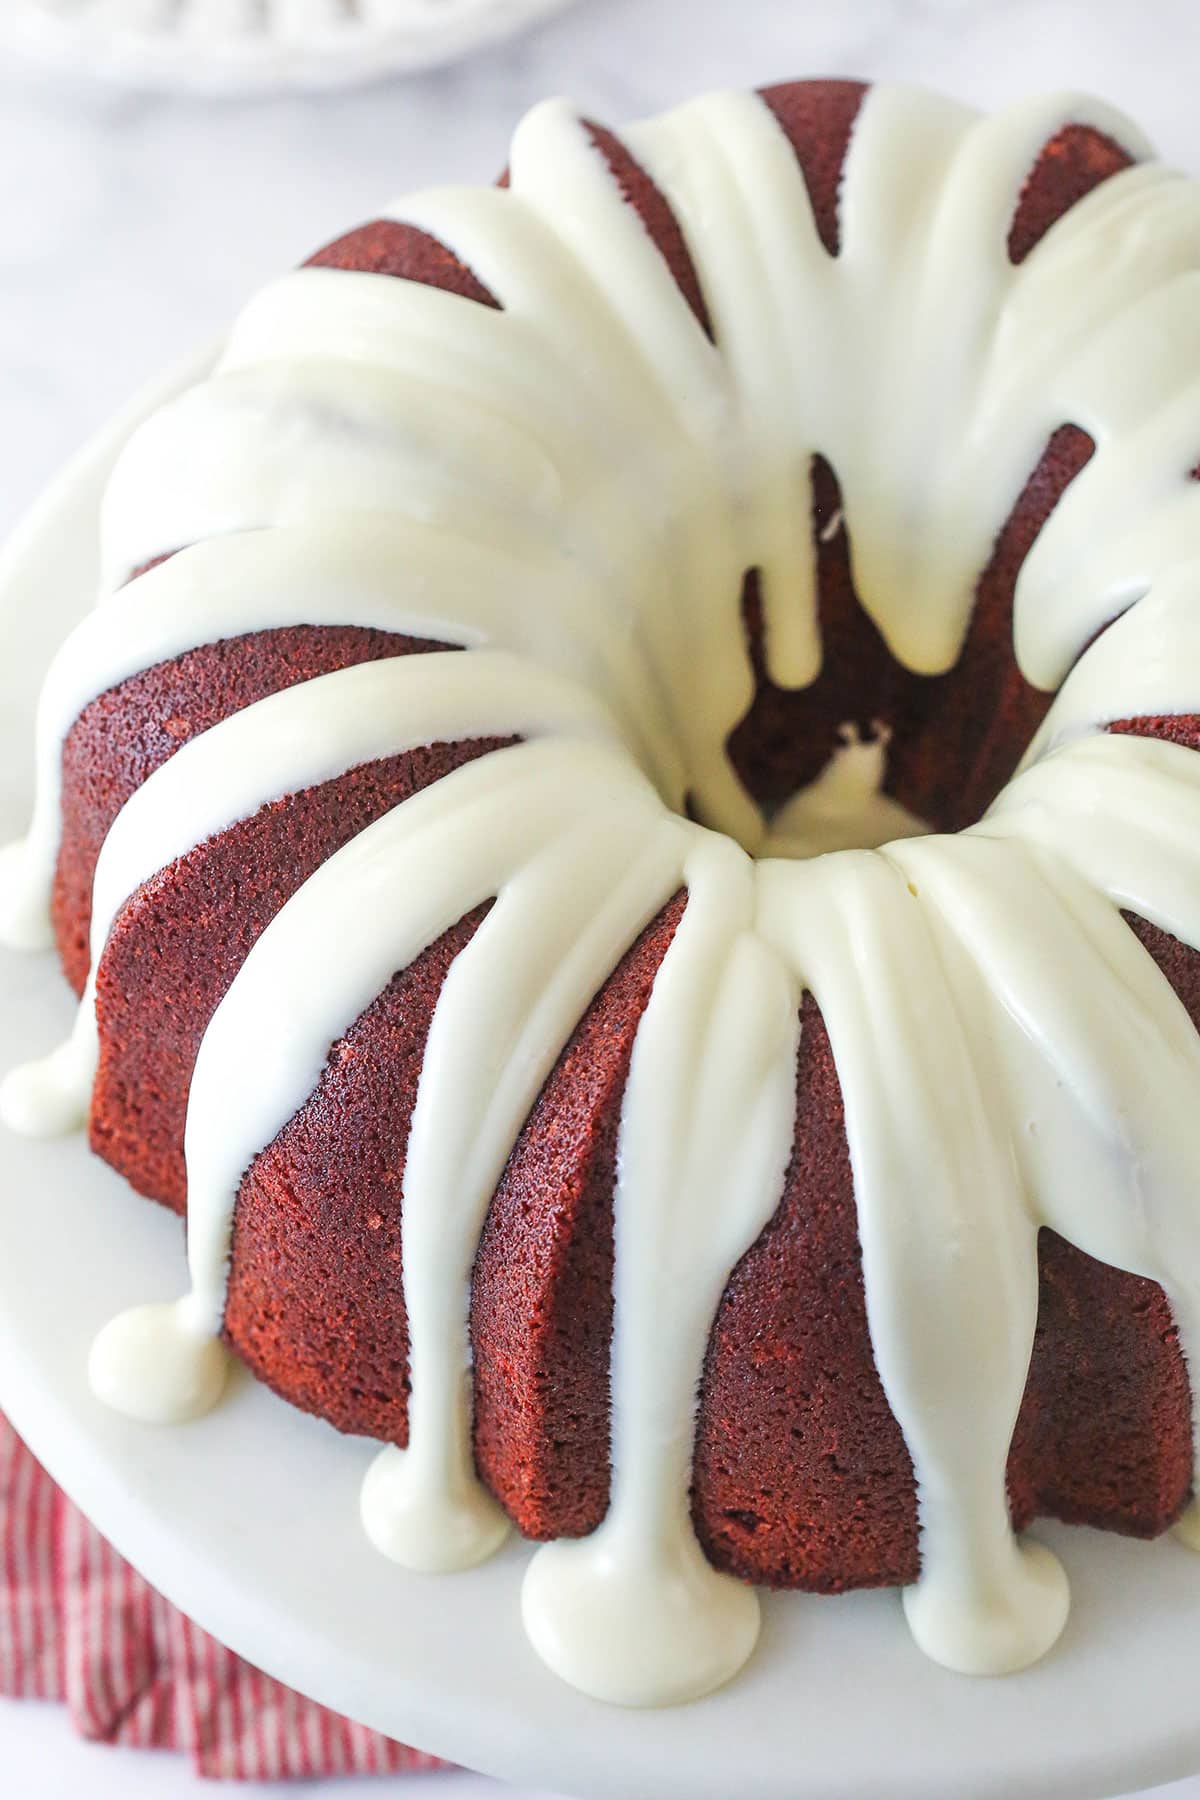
column 464, row 821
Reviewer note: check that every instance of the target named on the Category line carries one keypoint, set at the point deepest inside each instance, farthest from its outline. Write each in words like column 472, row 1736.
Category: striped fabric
column 78, row 1624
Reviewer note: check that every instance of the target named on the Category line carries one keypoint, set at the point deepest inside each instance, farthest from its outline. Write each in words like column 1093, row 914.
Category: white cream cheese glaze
column 571, row 486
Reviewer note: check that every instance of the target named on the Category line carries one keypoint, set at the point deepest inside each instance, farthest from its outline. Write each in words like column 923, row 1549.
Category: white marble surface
column 131, row 226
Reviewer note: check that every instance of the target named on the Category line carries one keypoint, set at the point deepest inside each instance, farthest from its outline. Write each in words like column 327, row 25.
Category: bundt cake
column 462, row 818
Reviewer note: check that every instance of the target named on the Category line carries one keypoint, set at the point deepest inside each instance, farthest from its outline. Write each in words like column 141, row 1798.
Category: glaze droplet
column 636, row 1626
column 997, row 1629
column 155, row 1364
column 427, row 1526
column 48, row 1098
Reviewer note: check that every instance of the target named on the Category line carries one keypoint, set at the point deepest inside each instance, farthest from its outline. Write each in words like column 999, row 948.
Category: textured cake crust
column 203, row 916
column 127, row 733
column 802, row 1477
column 541, row 1303
column 316, row 1304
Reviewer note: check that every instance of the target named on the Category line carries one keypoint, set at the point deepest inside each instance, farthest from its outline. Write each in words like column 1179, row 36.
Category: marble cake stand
column 248, row 1520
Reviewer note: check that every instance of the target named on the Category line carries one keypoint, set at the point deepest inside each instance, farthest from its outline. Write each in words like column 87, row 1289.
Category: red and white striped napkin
column 78, row 1624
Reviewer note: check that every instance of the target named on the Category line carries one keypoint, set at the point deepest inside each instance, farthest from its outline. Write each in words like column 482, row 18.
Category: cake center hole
column 845, row 806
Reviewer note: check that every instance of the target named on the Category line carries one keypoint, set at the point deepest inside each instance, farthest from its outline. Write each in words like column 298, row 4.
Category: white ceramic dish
column 248, row 46
column 249, row 1518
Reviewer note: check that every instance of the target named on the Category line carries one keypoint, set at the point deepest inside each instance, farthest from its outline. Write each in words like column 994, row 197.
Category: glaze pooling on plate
column 367, row 451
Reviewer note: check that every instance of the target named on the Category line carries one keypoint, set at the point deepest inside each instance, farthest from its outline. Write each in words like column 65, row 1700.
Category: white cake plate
column 248, row 1520
column 260, row 46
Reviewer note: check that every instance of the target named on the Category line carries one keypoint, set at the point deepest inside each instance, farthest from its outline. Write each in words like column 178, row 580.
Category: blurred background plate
column 247, row 46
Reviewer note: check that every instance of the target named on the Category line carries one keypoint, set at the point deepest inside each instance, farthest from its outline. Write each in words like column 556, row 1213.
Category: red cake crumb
column 1076, row 160
column 660, row 222
column 124, row 735
column 316, row 1301
column 541, row 1300
column 386, row 247
column 203, row 915
column 802, row 1478
column 818, row 117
